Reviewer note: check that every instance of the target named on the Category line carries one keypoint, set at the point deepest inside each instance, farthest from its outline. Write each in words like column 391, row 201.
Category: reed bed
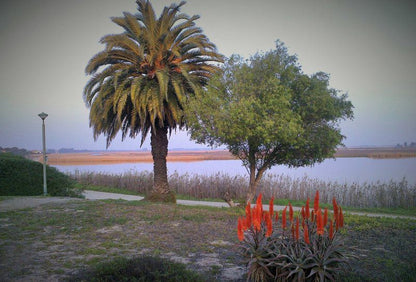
column 392, row 194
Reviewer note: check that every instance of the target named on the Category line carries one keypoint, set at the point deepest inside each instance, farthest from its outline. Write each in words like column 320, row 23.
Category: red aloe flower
column 243, row 223
column 297, row 229
column 334, row 203
column 277, row 216
column 259, row 204
column 271, row 207
column 331, row 229
column 257, row 218
column 258, row 222
column 313, row 216
column 248, row 215
column 269, row 225
column 284, row 218
column 303, row 212
column 341, row 217
column 307, row 209
column 240, row 231
column 306, row 234
column 325, row 216
column 319, row 223
column 316, row 201
column 290, row 212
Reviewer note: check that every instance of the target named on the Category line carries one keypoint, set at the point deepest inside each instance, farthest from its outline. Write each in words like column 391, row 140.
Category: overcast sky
column 367, row 46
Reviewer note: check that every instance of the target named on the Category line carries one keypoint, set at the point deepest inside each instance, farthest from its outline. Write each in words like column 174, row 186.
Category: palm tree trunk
column 159, row 144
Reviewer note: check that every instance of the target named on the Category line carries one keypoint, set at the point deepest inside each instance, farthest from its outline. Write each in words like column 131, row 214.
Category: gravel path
column 17, row 203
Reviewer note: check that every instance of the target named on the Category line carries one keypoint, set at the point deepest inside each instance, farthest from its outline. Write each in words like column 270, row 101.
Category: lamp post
column 43, row 115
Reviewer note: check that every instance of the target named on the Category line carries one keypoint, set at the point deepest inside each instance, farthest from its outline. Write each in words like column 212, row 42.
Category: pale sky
column 367, row 46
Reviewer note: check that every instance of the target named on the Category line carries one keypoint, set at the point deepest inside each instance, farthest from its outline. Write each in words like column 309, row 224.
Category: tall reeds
column 391, row 194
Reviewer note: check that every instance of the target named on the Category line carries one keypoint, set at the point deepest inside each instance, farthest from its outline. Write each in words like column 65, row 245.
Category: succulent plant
column 277, row 252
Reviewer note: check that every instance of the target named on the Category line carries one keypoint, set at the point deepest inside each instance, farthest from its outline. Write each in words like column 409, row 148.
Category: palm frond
column 144, row 76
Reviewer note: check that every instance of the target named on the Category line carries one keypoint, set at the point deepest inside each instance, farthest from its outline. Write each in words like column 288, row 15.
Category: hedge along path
column 17, row 203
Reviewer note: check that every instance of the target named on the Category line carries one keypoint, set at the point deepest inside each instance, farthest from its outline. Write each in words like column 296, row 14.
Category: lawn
column 58, row 241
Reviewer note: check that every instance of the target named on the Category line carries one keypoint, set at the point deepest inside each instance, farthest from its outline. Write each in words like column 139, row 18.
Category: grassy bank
column 391, row 195
column 57, row 242
column 22, row 177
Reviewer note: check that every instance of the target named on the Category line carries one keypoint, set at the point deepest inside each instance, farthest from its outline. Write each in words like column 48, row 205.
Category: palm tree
column 144, row 77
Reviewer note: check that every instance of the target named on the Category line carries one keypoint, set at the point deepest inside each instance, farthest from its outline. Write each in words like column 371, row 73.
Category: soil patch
column 52, row 242
column 55, row 241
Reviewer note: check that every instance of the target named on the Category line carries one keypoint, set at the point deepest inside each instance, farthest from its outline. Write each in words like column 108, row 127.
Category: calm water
column 341, row 170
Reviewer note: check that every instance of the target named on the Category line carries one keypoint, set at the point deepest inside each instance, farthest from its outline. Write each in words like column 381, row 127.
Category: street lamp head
column 43, row 115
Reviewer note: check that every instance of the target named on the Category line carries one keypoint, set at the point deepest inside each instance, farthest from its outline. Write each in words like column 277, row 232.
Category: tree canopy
column 268, row 112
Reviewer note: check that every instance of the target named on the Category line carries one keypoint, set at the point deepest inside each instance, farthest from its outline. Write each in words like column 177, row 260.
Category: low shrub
column 22, row 177
column 143, row 268
column 303, row 247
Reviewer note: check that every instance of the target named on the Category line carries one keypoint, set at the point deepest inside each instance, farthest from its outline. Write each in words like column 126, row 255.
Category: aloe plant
column 274, row 250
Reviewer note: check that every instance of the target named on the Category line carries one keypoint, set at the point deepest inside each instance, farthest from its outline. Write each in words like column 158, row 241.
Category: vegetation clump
column 22, row 177
column 168, row 197
column 304, row 248
column 143, row 268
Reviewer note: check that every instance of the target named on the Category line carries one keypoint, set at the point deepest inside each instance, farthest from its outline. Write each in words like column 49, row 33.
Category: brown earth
column 376, row 153
column 133, row 157
column 109, row 157
column 53, row 242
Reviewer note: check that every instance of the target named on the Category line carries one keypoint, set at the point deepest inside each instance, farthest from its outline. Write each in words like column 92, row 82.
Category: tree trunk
column 252, row 185
column 159, row 144
column 254, row 181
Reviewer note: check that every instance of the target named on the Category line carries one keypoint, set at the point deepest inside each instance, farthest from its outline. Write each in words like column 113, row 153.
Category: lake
column 341, row 170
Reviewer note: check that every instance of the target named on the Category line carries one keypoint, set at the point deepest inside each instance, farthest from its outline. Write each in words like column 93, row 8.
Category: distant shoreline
column 111, row 157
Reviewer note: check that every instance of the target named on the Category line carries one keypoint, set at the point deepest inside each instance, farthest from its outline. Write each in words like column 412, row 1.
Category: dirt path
column 31, row 202
column 17, row 203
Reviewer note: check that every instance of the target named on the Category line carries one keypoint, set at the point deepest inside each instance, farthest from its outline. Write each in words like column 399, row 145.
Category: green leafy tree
column 268, row 112
column 143, row 78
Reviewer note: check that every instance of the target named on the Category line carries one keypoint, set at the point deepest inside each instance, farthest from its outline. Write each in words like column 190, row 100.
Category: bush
column 23, row 177
column 305, row 248
column 138, row 269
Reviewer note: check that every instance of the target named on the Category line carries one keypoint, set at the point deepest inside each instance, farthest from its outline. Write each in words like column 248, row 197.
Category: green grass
column 108, row 189
column 392, row 211
column 281, row 202
column 66, row 236
column 385, row 248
